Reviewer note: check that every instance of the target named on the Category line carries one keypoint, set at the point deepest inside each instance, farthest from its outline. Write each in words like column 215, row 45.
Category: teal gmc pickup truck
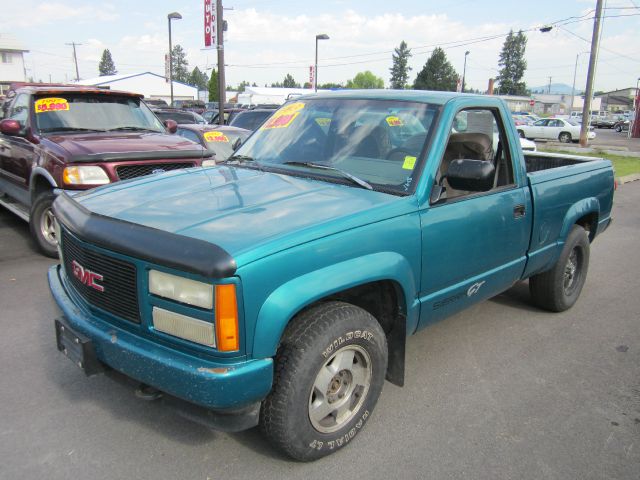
column 278, row 288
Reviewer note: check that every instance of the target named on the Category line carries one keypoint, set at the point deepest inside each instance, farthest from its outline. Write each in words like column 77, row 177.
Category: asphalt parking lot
column 501, row 391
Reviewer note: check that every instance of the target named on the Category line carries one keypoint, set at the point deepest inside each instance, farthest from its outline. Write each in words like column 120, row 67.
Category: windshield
column 221, row 142
column 378, row 141
column 250, row 120
column 181, row 117
column 93, row 112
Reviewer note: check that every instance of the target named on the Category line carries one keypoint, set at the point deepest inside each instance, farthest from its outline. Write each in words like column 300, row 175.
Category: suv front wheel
column 42, row 224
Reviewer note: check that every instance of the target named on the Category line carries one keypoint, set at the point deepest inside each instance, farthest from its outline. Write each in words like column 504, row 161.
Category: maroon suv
column 60, row 137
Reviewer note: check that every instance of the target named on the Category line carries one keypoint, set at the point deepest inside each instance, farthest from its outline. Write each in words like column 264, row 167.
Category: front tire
column 41, row 224
column 558, row 289
column 329, row 373
column 521, row 133
column 564, row 137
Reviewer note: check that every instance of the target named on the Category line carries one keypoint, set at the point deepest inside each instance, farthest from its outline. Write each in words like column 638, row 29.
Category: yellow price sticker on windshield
column 284, row 117
column 215, row 137
column 393, row 121
column 323, row 122
column 51, row 104
column 409, row 162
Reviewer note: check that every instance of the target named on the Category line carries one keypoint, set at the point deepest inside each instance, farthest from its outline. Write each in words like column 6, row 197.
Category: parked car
column 229, row 113
column 622, row 125
column 156, row 103
column 604, row 122
column 279, row 288
column 221, row 140
column 251, row 119
column 71, row 138
column 179, row 116
column 197, row 106
column 565, row 131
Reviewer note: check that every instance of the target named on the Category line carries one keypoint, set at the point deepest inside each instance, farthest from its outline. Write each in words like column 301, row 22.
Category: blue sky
column 270, row 38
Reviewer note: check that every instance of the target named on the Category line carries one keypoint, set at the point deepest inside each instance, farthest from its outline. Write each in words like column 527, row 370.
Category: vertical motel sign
column 210, row 33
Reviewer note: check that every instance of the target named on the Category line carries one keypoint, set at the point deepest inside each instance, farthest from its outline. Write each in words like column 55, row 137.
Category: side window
column 476, row 134
column 188, row 134
column 20, row 109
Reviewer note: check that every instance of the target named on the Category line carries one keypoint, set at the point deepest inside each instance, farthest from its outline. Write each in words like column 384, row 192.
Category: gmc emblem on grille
column 87, row 277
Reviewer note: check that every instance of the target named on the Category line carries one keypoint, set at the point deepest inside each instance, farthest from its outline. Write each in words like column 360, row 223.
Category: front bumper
column 214, row 385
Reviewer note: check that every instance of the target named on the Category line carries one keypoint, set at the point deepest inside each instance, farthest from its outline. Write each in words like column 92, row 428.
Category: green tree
column 400, row 68
column 290, row 82
column 180, row 71
column 437, row 73
column 513, row 65
column 329, row 86
column 243, row 85
column 198, row 79
column 213, row 86
column 106, row 65
column 365, row 80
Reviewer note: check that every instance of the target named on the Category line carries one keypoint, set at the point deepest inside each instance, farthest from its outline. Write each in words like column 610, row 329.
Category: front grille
column 120, row 295
column 125, row 172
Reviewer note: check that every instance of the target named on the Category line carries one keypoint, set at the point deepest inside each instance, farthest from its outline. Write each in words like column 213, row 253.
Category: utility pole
column 586, row 108
column 75, row 58
column 549, row 88
column 221, row 82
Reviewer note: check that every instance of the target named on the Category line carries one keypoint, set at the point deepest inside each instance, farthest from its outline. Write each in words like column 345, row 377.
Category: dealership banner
column 210, row 32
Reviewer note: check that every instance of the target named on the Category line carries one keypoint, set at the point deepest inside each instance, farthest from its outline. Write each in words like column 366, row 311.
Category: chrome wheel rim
column 48, row 228
column 571, row 272
column 340, row 388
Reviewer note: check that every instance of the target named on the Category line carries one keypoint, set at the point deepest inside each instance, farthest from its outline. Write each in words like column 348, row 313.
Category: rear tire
column 41, row 224
column 329, row 372
column 618, row 128
column 558, row 289
column 564, row 137
column 521, row 133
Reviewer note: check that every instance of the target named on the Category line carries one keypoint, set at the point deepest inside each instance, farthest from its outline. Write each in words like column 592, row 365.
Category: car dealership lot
column 502, row 390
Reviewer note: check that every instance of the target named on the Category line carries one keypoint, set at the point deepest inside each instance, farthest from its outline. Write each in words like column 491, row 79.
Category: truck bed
column 538, row 161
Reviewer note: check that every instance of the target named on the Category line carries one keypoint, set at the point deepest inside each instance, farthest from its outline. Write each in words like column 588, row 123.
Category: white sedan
column 565, row 131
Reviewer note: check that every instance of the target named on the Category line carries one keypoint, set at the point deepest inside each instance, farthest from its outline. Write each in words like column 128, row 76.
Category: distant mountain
column 557, row 88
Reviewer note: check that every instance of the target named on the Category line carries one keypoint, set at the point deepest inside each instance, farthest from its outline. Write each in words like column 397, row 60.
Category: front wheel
column 329, row 373
column 618, row 128
column 521, row 133
column 559, row 288
column 565, row 137
column 42, row 224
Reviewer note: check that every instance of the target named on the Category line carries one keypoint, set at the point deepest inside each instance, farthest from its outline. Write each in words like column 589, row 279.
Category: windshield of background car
column 69, row 112
column 250, row 120
column 181, row 117
column 221, row 142
column 379, row 141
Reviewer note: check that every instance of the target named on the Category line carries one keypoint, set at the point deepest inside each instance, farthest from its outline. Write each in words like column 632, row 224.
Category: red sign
column 210, row 32
column 311, row 75
column 532, row 102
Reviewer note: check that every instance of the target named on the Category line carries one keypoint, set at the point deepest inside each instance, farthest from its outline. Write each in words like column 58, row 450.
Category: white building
column 11, row 62
column 151, row 85
column 269, row 95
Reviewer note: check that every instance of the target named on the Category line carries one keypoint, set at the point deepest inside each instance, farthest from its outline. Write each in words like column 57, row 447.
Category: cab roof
column 422, row 96
column 53, row 89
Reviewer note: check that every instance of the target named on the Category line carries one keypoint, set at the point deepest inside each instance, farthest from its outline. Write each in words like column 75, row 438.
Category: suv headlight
column 209, row 163
column 85, row 175
column 181, row 289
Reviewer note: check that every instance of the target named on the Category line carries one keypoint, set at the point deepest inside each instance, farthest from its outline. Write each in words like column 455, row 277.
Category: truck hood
column 249, row 213
column 94, row 146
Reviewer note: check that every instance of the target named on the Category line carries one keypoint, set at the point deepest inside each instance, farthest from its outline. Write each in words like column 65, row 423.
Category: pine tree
column 213, row 86
column 400, row 69
column 180, row 65
column 106, row 65
column 437, row 73
column 513, row 65
column 290, row 82
column 365, row 80
column 198, row 79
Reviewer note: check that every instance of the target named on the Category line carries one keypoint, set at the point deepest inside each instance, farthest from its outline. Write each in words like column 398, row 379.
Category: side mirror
column 9, row 126
column 471, row 175
column 171, row 126
column 237, row 144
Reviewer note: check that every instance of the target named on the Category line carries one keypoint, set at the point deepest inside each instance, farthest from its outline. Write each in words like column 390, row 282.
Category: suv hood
column 99, row 146
column 249, row 213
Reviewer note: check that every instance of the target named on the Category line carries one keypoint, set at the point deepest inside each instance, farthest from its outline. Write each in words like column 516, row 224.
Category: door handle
column 519, row 211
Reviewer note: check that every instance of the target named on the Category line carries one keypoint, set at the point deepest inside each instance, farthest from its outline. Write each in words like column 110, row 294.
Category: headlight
column 85, row 175
column 208, row 163
column 181, row 289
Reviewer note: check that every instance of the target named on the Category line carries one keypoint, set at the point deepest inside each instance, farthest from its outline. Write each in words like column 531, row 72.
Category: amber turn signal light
column 227, row 318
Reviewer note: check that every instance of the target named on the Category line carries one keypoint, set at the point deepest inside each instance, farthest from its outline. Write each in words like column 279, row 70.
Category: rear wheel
column 42, row 226
column 564, row 137
column 617, row 128
column 559, row 288
column 521, row 133
column 329, row 373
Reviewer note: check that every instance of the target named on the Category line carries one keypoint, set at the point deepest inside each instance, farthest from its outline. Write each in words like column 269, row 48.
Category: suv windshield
column 93, row 112
column 378, row 141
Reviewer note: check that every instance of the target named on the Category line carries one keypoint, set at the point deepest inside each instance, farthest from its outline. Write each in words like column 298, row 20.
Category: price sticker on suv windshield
column 284, row 117
column 51, row 104
column 215, row 137
column 394, row 121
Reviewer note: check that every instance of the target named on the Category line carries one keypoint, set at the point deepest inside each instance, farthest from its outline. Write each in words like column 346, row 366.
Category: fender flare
column 40, row 172
column 291, row 297
column 586, row 206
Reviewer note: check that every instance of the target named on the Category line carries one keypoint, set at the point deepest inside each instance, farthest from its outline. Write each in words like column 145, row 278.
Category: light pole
column 464, row 69
column 635, row 122
column 573, row 90
column 322, row 36
column 171, row 16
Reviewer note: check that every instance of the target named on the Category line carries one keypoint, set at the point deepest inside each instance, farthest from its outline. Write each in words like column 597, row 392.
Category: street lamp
column 322, row 36
column 573, row 90
column 464, row 69
column 171, row 16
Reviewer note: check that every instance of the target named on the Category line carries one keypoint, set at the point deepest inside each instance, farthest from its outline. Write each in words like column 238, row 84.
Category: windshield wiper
column 70, row 129
column 133, row 129
column 353, row 178
column 238, row 158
